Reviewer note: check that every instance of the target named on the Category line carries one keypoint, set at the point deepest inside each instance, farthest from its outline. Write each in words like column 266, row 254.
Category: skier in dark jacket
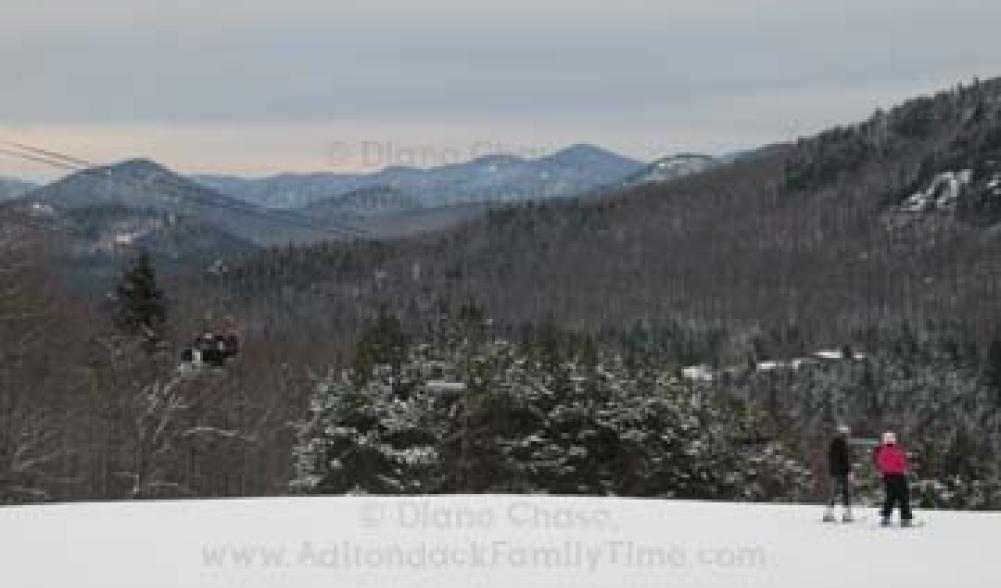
column 839, row 464
column 892, row 464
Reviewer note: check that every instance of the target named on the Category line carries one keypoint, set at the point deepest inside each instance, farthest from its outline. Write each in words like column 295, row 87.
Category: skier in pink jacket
column 892, row 464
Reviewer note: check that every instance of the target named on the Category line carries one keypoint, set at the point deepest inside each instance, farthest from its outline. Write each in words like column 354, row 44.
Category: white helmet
column 844, row 429
column 889, row 438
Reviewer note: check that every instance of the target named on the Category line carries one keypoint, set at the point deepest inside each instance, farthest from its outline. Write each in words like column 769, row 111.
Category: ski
column 898, row 525
column 852, row 521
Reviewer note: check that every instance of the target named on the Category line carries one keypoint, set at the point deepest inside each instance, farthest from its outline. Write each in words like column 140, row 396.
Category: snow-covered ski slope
column 503, row 541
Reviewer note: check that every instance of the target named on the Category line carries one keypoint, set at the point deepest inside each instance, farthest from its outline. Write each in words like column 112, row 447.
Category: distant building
column 698, row 373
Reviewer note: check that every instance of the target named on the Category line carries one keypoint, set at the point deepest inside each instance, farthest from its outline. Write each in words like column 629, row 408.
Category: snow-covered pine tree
column 529, row 422
column 368, row 438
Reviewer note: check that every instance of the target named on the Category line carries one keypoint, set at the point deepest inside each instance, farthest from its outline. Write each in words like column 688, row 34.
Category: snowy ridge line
column 489, row 540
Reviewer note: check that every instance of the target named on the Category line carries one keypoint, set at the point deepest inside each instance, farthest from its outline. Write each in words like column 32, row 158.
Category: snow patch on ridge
column 942, row 193
column 994, row 185
column 42, row 209
column 674, row 167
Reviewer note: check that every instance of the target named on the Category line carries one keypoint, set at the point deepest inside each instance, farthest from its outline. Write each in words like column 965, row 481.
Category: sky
column 257, row 87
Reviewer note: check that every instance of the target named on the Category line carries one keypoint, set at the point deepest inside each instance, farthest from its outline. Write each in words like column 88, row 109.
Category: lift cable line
column 50, row 154
column 35, row 158
column 77, row 165
column 67, row 162
column 26, row 222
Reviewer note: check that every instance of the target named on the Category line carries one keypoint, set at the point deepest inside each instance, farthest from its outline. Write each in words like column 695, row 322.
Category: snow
column 775, row 365
column 218, row 268
column 127, row 238
column 670, row 168
column 794, row 364
column 503, row 541
column 118, row 240
column 443, row 387
column 697, row 373
column 42, row 209
column 770, row 366
column 942, row 193
column 995, row 185
column 799, row 362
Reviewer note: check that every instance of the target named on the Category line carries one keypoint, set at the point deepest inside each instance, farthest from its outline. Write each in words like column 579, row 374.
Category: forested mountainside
column 106, row 211
column 98, row 216
column 95, row 241
column 817, row 241
column 850, row 277
column 145, row 186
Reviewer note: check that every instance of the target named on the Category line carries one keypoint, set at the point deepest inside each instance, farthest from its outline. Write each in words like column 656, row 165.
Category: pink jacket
column 890, row 460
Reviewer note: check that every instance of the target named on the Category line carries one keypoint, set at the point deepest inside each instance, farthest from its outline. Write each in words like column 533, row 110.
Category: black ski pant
column 840, row 488
column 897, row 494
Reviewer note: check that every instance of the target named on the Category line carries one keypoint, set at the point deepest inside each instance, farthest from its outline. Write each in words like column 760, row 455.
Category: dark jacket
column 839, row 458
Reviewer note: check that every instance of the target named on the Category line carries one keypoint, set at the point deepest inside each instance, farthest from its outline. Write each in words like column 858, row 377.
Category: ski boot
column 829, row 516
column 884, row 522
column 847, row 517
column 906, row 523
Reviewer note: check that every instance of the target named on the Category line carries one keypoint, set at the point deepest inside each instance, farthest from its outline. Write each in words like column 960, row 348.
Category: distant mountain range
column 110, row 210
column 103, row 213
column 370, row 201
column 139, row 202
column 143, row 186
column 11, row 188
column 576, row 170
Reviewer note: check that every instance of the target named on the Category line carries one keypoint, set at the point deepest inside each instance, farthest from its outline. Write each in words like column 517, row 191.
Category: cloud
column 632, row 72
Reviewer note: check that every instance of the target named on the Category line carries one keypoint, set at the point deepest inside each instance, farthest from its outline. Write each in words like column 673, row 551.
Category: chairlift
column 211, row 350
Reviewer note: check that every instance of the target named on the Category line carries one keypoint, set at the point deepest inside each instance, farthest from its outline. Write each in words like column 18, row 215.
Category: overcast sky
column 261, row 86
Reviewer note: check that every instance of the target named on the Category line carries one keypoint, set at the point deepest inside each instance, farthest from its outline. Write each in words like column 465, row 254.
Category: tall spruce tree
column 992, row 370
column 385, row 342
column 139, row 302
